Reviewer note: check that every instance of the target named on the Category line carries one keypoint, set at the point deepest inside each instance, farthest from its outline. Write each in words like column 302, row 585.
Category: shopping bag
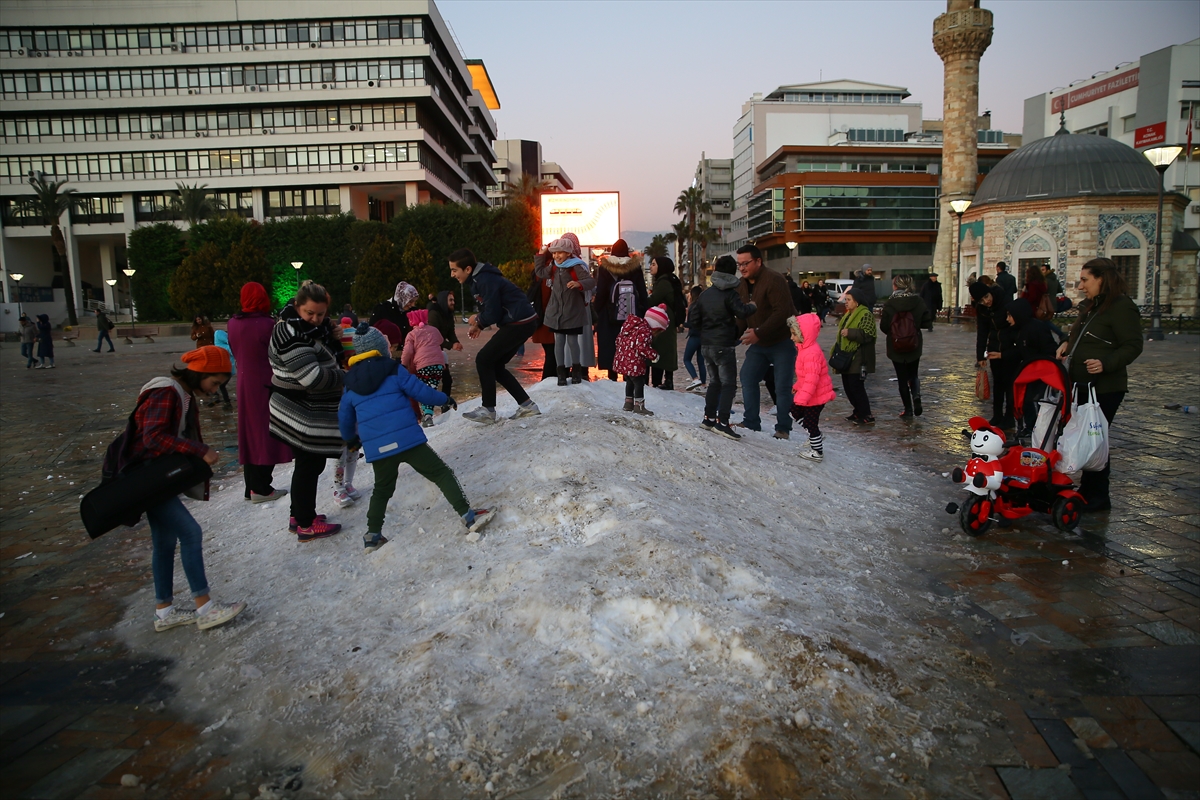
column 1084, row 440
column 983, row 387
column 1044, row 434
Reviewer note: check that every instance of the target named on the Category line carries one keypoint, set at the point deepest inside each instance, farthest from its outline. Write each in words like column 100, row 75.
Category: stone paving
column 1093, row 636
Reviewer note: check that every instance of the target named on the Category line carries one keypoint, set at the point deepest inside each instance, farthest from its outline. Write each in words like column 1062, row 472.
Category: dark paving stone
column 1133, row 781
column 72, row 778
column 96, row 682
column 1038, row 784
column 1189, row 732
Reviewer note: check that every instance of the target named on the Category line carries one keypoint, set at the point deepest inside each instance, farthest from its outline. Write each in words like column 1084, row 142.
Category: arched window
column 1128, row 248
column 1036, row 249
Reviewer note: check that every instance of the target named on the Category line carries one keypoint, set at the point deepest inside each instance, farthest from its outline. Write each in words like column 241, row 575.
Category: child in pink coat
column 423, row 357
column 813, row 388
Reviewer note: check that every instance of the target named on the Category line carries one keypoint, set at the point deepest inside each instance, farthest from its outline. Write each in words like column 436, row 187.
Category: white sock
column 204, row 609
column 163, row 613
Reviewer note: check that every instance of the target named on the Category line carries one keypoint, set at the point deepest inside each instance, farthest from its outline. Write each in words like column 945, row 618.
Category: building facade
column 280, row 109
column 521, row 157
column 715, row 177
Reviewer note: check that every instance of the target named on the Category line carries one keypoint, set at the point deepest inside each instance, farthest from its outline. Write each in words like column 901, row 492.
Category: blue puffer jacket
column 500, row 301
column 376, row 407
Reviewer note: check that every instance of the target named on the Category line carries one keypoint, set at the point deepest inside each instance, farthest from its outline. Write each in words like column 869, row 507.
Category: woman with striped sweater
column 306, row 384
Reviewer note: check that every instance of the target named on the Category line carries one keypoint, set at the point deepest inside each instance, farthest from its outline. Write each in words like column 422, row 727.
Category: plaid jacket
column 158, row 416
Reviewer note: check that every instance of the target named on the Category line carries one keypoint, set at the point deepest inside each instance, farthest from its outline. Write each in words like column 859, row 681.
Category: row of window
column 20, row 85
column 221, row 37
column 841, row 97
column 233, row 121
column 870, row 208
column 302, row 202
column 103, row 166
column 807, row 166
column 159, row 207
column 875, row 135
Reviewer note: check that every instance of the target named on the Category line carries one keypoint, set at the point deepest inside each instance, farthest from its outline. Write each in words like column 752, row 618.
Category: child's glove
column 450, row 401
column 354, row 443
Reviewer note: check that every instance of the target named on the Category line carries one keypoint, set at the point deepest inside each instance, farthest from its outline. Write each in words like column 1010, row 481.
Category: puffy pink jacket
column 422, row 348
column 813, row 385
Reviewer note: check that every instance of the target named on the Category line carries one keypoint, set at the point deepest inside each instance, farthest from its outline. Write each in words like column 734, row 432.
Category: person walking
column 904, row 316
column 931, row 293
column 1053, row 285
column 856, row 336
column 716, row 314
column 1103, row 342
column 203, row 333
column 29, row 334
column 822, row 302
column 813, row 387
column 167, row 420
column 620, row 291
column 769, row 346
column 306, row 386
column 1006, row 282
column 103, row 326
column 698, row 373
column 667, row 291
column 635, row 355
column 249, row 333
column 45, row 337
column 566, row 313
column 441, row 317
column 395, row 309
column 501, row 304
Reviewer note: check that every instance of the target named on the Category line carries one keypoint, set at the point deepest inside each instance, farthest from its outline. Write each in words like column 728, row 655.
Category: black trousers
column 447, row 380
column 549, row 361
column 635, row 388
column 908, row 376
column 1003, row 406
column 492, row 361
column 856, row 393
column 305, row 475
column 258, row 478
column 1094, row 485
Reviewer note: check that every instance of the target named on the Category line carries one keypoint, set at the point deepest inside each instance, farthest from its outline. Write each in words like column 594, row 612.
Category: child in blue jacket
column 377, row 414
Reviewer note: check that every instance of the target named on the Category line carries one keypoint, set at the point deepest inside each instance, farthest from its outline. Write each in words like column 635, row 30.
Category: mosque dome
column 1068, row 165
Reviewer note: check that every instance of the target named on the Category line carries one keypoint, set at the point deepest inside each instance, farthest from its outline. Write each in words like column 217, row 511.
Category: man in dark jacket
column 931, row 293
column 1006, row 281
column 395, row 309
column 769, row 342
column 103, row 326
column 715, row 315
column 993, row 338
column 864, row 281
column 504, row 305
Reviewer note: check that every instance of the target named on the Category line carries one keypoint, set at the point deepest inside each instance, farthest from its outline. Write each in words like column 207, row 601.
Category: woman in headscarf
column 667, row 291
column 249, row 340
column 620, row 273
column 566, row 313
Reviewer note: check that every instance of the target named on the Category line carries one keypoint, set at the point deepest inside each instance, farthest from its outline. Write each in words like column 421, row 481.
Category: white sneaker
column 342, row 498
column 479, row 518
column 695, row 382
column 176, row 618
column 427, row 421
column 355, row 494
column 701, row 389
column 219, row 615
column 813, row 455
column 481, row 414
column 530, row 410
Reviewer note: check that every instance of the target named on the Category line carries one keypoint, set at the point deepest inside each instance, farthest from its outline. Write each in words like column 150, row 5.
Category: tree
column 691, row 203
column 194, row 203
column 196, row 287
column 418, row 267
column 246, row 262
column 658, row 246
column 49, row 202
column 157, row 251
column 527, row 189
column 706, row 235
column 378, row 273
column 679, row 235
column 518, row 272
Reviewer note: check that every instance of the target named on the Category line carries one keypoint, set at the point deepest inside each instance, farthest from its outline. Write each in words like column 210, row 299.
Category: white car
column 836, row 287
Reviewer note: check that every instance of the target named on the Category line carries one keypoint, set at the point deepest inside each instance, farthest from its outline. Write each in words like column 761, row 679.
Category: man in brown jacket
column 769, row 343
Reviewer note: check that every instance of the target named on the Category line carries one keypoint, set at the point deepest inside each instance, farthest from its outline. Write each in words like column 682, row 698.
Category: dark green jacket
column 912, row 303
column 1113, row 335
column 665, row 342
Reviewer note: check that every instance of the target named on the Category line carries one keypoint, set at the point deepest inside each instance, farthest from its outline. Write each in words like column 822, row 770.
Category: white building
column 517, row 157
column 281, row 108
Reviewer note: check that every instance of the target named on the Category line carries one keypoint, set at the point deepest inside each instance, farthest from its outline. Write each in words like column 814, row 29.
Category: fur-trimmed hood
column 621, row 267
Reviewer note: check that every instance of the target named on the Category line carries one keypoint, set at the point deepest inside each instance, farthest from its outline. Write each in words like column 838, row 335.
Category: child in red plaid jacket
column 634, row 354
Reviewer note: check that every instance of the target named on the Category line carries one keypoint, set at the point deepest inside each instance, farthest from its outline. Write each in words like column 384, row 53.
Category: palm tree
column 680, row 235
column 194, row 203
column 691, row 203
column 528, row 189
column 706, row 235
column 658, row 245
column 49, row 202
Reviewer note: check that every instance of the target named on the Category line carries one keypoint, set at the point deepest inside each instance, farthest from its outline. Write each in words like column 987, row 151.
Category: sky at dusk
column 626, row 95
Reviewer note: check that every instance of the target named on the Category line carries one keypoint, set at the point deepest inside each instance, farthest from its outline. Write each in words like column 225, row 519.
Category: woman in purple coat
column 249, row 337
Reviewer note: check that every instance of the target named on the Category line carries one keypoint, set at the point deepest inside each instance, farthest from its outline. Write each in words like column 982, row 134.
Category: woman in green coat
column 1105, row 340
column 856, row 336
column 669, row 292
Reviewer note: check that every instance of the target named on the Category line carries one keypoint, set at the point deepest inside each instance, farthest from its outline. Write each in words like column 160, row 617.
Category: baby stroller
column 1010, row 482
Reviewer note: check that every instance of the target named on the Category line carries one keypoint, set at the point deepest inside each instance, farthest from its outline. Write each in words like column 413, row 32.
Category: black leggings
column 635, row 388
column 908, row 376
column 305, row 475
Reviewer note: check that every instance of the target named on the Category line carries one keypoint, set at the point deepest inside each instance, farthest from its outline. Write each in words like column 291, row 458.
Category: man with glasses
column 769, row 343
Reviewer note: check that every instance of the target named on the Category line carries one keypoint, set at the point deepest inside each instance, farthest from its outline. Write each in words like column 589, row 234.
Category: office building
column 715, row 177
column 520, row 157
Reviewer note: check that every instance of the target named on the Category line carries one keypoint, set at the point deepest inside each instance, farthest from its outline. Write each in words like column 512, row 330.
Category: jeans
column 495, row 355
column 27, row 353
column 1094, row 485
column 428, row 465
column 100, row 340
column 856, row 393
column 908, row 376
column 689, row 351
column 170, row 522
column 722, row 383
column 305, row 475
column 781, row 356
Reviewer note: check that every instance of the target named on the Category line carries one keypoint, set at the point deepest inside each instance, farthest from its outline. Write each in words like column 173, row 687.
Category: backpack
column 624, row 300
column 904, row 332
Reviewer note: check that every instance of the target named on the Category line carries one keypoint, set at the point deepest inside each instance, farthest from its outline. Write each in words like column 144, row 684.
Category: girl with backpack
column 667, row 291
column 620, row 291
column 904, row 315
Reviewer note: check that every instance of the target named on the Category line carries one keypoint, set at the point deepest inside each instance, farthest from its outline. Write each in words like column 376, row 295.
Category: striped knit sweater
column 307, row 387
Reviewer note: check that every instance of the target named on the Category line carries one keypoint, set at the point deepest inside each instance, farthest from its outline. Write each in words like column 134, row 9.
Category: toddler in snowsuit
column 424, row 358
column 634, row 353
column 813, row 387
column 376, row 413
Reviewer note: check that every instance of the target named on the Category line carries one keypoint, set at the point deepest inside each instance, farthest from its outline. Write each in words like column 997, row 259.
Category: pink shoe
column 320, row 529
column 292, row 526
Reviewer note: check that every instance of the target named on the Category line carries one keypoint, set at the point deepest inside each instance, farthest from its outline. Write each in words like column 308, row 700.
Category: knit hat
column 347, row 328
column 657, row 318
column 726, row 265
column 254, row 298
column 346, row 322
column 405, row 294
column 367, row 339
column 209, row 359
column 390, row 330
column 859, row 296
column 978, row 290
column 866, row 268
column 561, row 246
column 620, row 249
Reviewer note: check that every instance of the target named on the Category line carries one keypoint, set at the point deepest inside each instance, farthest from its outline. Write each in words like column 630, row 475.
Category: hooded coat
column 391, row 311
column 567, row 308
column 307, row 383
column 667, row 290
column 922, row 318
column 377, row 406
column 813, row 385
column 500, row 302
column 45, row 335
column 1032, row 337
column 442, row 318
column 866, row 284
column 633, row 348
column 250, row 341
column 423, row 348
column 613, row 270
column 718, row 309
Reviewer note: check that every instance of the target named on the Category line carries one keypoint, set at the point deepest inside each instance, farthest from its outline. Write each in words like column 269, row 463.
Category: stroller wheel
column 1065, row 513
column 974, row 516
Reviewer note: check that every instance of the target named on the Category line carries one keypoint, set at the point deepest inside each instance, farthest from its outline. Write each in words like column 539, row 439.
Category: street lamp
column 791, row 246
column 112, row 282
column 132, row 318
column 16, row 276
column 1161, row 158
column 958, row 207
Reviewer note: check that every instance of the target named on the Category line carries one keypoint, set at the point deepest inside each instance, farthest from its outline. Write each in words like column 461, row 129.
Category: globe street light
column 1161, row 158
column 132, row 317
column 112, row 282
column 16, row 277
column 791, row 246
column 958, row 207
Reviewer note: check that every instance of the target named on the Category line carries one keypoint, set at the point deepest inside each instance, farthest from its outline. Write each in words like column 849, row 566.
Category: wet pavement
column 1093, row 637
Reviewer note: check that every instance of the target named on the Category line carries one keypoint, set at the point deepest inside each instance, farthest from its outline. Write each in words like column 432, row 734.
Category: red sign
column 1150, row 134
column 1110, row 85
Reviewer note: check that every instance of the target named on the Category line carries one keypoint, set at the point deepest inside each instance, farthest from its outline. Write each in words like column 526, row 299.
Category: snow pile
column 655, row 608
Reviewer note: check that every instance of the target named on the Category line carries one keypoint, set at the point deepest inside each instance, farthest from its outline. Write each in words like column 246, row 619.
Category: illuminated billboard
column 595, row 217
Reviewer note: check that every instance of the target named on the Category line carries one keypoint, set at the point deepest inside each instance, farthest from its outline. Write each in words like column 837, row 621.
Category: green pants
column 429, row 465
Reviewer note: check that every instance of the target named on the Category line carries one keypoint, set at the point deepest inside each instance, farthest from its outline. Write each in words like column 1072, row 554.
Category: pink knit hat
column 657, row 318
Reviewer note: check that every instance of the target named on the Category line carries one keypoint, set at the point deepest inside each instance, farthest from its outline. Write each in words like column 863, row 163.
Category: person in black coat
column 994, row 337
column 864, row 281
column 800, row 299
column 1032, row 338
column 931, row 293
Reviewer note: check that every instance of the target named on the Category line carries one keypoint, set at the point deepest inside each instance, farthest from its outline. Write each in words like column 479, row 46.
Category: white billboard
column 594, row 217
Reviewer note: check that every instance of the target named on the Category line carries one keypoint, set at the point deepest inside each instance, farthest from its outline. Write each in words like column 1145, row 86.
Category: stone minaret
column 959, row 37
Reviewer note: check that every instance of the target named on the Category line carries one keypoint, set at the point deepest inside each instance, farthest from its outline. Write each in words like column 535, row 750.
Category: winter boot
column 668, row 383
column 578, row 373
column 916, row 404
column 562, row 376
column 639, row 407
column 628, row 404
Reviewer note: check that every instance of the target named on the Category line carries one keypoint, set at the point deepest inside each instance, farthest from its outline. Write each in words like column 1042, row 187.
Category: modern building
column 280, row 109
column 1142, row 103
column 517, row 157
column 715, row 177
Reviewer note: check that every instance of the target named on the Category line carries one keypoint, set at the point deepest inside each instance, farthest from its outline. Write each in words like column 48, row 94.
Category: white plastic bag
column 1043, row 437
column 1084, row 440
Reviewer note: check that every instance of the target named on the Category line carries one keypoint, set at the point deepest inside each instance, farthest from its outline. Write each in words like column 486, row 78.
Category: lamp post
column 112, row 282
column 132, row 316
column 16, row 277
column 791, row 246
column 958, row 207
column 1161, row 158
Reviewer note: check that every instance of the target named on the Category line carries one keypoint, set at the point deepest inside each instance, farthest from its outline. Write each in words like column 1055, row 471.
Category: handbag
column 1084, row 440
column 839, row 359
column 983, row 386
column 1045, row 309
column 123, row 500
